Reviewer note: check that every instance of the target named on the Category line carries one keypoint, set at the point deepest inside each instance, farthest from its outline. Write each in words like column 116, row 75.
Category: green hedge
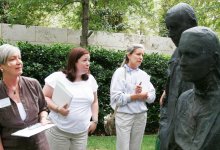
column 41, row 60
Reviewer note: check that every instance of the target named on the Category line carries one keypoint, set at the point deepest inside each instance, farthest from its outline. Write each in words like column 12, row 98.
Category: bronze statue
column 178, row 19
column 197, row 121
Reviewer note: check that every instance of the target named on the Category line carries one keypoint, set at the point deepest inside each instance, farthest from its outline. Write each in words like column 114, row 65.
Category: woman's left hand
column 92, row 127
column 44, row 121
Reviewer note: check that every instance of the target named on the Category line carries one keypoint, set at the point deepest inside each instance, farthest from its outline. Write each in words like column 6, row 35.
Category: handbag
column 109, row 120
column 109, row 123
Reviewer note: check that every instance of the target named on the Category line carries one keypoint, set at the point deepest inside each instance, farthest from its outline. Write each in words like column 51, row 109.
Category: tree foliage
column 133, row 16
column 120, row 16
column 111, row 15
column 207, row 12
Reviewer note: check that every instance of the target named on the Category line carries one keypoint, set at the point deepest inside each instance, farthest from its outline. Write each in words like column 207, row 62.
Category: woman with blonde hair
column 22, row 103
column 130, row 90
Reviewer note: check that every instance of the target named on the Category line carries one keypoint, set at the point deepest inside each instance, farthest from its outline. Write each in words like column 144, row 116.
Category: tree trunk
column 85, row 23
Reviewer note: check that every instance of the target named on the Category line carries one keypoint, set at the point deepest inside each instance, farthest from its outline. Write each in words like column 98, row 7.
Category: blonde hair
column 130, row 50
column 7, row 50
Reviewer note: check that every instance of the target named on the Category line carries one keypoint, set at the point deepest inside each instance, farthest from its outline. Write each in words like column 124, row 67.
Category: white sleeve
column 52, row 79
column 118, row 93
column 151, row 90
column 93, row 83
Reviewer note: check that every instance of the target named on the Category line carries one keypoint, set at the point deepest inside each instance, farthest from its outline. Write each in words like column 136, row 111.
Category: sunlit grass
column 109, row 142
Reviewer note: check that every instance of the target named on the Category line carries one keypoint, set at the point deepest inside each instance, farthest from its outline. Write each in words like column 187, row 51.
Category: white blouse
column 78, row 119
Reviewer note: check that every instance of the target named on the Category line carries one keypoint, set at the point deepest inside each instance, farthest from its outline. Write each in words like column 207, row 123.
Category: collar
column 130, row 69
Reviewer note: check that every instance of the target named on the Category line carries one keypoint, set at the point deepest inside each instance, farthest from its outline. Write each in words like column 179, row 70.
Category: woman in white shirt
column 130, row 90
column 73, row 120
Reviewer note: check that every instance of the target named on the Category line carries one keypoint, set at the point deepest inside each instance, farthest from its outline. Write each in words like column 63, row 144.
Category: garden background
column 41, row 60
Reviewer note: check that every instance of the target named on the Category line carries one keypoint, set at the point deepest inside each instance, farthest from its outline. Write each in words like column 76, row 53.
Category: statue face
column 196, row 62
column 176, row 24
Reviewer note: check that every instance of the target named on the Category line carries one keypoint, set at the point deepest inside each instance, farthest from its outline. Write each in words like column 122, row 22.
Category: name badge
column 5, row 102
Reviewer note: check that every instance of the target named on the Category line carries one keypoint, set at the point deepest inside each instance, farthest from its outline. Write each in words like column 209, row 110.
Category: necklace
column 13, row 89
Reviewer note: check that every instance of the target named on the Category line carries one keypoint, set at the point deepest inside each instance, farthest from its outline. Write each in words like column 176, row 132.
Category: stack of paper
column 32, row 130
column 61, row 96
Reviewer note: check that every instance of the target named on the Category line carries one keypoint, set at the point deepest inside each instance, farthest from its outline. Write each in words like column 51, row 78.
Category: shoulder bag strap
column 116, row 107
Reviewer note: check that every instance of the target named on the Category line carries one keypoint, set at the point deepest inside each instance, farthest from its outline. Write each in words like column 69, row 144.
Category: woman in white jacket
column 130, row 90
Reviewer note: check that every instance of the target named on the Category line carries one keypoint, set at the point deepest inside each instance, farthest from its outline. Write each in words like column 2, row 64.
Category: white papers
column 5, row 102
column 61, row 96
column 32, row 130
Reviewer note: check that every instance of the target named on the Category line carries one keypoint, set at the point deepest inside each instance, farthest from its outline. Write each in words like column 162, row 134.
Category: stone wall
column 120, row 41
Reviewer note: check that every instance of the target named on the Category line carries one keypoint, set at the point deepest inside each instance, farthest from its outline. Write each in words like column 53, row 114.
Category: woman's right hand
column 143, row 95
column 140, row 96
column 63, row 110
column 162, row 98
column 1, row 145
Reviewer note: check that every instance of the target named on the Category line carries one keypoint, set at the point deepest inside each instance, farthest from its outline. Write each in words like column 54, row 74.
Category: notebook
column 61, row 96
